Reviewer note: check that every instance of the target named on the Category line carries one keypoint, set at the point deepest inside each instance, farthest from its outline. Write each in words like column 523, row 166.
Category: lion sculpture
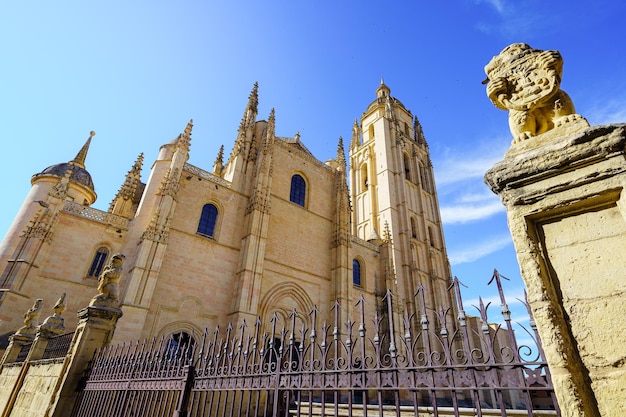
column 108, row 283
column 526, row 82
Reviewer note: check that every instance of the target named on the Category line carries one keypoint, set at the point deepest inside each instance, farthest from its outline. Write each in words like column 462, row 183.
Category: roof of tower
column 382, row 92
column 77, row 167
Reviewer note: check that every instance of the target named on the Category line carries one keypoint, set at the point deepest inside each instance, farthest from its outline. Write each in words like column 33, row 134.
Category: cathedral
column 268, row 230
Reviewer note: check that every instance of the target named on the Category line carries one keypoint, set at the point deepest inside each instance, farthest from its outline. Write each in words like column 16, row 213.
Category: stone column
column 564, row 196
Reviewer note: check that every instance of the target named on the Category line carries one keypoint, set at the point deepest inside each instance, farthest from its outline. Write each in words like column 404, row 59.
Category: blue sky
column 136, row 72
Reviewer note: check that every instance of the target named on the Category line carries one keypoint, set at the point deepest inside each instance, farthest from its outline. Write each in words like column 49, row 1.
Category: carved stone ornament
column 108, row 283
column 526, row 82
column 31, row 319
column 54, row 324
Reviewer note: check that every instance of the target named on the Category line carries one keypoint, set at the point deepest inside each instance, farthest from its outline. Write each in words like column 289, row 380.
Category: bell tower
column 392, row 186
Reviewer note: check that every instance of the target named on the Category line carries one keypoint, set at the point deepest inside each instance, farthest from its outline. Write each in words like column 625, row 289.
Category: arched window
column 431, row 236
column 413, row 228
column 364, row 180
column 356, row 272
column 208, row 220
column 98, row 262
column 371, row 131
column 179, row 344
column 298, row 190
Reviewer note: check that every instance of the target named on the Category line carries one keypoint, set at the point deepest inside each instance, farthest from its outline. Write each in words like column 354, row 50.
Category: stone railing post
column 95, row 330
column 566, row 210
column 562, row 183
column 96, row 325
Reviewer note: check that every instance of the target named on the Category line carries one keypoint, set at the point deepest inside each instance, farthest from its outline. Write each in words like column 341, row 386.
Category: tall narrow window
column 407, row 167
column 98, row 262
column 356, row 272
column 298, row 190
column 364, row 180
column 431, row 236
column 208, row 219
column 413, row 229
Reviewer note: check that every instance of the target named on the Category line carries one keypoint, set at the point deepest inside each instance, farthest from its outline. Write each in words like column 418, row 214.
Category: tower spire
column 81, row 156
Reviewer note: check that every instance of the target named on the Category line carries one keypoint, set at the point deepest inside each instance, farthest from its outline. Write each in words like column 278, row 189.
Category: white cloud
column 457, row 168
column 464, row 213
column 478, row 250
column 613, row 111
column 496, row 4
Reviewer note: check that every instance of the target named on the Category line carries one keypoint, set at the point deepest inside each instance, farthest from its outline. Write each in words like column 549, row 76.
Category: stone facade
column 255, row 252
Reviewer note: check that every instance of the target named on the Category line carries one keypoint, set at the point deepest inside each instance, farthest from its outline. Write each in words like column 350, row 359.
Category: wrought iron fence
column 388, row 369
column 58, row 346
column 23, row 353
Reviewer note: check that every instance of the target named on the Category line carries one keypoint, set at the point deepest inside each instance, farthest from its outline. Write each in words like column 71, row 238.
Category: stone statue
column 31, row 319
column 108, row 283
column 526, row 82
column 54, row 325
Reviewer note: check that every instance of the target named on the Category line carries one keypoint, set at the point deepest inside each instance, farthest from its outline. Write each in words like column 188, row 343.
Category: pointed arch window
column 208, row 220
column 98, row 261
column 356, row 272
column 298, row 190
column 179, row 344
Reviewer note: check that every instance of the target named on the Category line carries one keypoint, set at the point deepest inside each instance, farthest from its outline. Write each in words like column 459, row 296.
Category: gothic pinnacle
column 271, row 122
column 189, row 127
column 185, row 138
column 220, row 156
column 355, row 141
column 341, row 156
column 81, row 156
column 253, row 98
column 218, row 165
column 418, row 132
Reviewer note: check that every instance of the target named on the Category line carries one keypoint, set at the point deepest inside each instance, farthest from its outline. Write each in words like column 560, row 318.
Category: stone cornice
column 567, row 153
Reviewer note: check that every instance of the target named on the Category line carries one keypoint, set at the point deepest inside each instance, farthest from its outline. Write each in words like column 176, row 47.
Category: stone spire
column 245, row 143
column 184, row 139
column 250, row 113
column 270, row 136
column 218, row 165
column 355, row 142
column 341, row 155
column 81, row 156
column 418, row 132
column 125, row 197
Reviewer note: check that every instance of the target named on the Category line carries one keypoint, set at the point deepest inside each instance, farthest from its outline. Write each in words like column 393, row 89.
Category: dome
column 382, row 95
column 79, row 175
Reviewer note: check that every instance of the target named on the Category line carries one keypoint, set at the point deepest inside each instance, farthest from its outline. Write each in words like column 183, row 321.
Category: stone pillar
column 563, row 193
column 95, row 330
